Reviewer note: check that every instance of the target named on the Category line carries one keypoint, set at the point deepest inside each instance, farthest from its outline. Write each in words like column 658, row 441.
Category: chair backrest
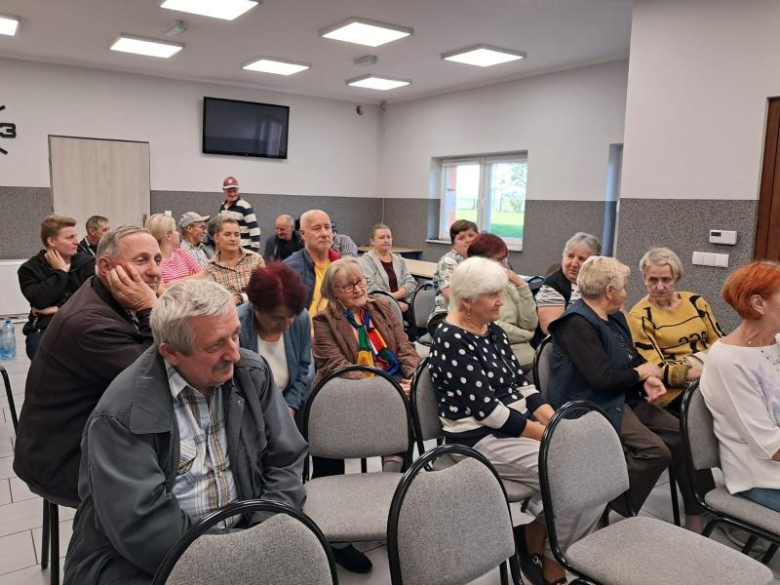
column 535, row 283
column 448, row 526
column 347, row 418
column 581, row 463
column 697, row 425
column 543, row 365
column 425, row 409
column 269, row 553
column 423, row 302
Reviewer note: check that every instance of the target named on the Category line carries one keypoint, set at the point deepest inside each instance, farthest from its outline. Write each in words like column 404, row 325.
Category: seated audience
column 343, row 244
column 232, row 265
column 462, row 233
column 353, row 329
column 518, row 314
column 594, row 359
column 193, row 234
column 559, row 289
column 97, row 225
column 49, row 278
column 741, row 386
column 286, row 241
column 275, row 324
column 385, row 271
column 100, row 331
column 486, row 403
column 313, row 260
column 176, row 264
column 192, row 425
column 671, row 329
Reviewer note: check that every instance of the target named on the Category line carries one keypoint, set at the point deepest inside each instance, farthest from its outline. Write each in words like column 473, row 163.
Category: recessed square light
column 224, row 9
column 376, row 82
column 268, row 65
column 147, row 47
column 483, row 55
column 362, row 31
column 9, row 25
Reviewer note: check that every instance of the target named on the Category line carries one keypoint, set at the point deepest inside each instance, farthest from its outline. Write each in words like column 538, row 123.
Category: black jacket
column 43, row 286
column 88, row 342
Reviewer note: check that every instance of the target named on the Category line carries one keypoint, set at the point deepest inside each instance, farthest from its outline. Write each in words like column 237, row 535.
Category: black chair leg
column 675, row 502
column 10, row 396
column 54, row 518
column 769, row 554
column 751, row 542
column 45, row 537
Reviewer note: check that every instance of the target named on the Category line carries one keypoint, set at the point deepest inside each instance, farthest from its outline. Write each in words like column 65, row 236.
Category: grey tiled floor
column 21, row 511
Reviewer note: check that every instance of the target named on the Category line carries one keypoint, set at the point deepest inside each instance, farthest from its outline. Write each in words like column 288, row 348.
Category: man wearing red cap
column 244, row 214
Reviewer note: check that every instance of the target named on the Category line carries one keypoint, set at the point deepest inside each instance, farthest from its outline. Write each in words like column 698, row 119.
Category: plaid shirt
column 204, row 482
column 235, row 278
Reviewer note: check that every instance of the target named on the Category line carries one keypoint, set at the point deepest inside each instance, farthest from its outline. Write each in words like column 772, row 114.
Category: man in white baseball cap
column 193, row 232
column 244, row 214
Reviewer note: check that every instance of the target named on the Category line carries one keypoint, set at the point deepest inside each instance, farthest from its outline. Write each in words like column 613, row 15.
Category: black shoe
column 352, row 559
column 530, row 565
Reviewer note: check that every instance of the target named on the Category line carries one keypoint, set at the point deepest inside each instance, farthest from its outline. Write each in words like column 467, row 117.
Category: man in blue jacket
column 194, row 424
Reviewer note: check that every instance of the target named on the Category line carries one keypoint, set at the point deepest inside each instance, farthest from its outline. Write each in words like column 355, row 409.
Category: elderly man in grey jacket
column 194, row 424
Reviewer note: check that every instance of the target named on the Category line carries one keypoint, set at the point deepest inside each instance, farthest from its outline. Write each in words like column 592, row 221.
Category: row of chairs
column 450, row 524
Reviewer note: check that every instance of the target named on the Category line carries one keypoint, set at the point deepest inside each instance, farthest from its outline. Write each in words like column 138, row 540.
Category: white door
column 92, row 176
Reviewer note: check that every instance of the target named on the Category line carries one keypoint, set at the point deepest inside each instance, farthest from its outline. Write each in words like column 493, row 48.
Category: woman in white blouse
column 741, row 386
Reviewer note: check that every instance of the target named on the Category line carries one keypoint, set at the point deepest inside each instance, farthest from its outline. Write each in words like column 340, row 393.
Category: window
column 490, row 191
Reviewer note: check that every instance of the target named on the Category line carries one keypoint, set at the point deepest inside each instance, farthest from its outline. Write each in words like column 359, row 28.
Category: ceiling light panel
column 224, row 9
column 268, row 65
column 366, row 32
column 376, row 82
column 146, row 47
column 483, row 56
column 8, row 25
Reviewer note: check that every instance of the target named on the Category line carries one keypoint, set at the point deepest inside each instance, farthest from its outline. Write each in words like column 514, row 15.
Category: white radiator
column 12, row 302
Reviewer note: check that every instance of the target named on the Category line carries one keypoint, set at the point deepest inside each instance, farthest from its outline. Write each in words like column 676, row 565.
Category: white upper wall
column 332, row 151
column 699, row 78
column 565, row 120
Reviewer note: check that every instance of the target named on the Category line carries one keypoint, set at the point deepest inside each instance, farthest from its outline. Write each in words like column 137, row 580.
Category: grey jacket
column 128, row 519
column 376, row 277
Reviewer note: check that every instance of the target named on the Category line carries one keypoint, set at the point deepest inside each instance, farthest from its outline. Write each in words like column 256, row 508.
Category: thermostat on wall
column 723, row 237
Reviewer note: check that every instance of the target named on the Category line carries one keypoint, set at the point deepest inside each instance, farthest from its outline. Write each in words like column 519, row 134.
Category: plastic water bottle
column 4, row 344
column 10, row 340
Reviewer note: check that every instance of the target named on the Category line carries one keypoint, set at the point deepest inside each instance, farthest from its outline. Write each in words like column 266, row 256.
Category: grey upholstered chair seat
column 426, row 339
column 351, row 507
column 279, row 551
column 422, row 350
column 744, row 509
column 653, row 552
column 517, row 492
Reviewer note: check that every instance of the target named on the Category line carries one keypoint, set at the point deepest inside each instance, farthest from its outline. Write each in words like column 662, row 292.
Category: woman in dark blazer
column 275, row 324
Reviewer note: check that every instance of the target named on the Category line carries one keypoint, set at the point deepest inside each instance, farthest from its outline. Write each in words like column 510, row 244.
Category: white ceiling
column 556, row 34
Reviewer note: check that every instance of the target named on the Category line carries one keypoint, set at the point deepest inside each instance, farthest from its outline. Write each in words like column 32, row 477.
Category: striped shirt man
column 247, row 223
column 204, row 482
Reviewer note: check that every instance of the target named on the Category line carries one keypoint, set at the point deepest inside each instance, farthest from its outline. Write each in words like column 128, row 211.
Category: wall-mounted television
column 245, row 128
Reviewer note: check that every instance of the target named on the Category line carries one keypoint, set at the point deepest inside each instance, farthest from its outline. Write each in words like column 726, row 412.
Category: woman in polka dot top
column 486, row 402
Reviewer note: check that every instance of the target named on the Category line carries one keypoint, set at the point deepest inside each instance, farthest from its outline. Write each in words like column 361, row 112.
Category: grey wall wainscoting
column 548, row 224
column 21, row 212
column 353, row 216
column 684, row 226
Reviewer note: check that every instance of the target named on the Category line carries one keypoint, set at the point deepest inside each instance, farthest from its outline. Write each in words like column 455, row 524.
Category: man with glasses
column 312, row 262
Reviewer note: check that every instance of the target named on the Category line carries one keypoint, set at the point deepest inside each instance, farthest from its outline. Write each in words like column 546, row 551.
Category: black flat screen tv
column 245, row 128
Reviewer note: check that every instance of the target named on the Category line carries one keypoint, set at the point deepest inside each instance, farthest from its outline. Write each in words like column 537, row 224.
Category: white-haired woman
column 560, row 289
column 485, row 402
column 669, row 327
column 177, row 264
column 594, row 359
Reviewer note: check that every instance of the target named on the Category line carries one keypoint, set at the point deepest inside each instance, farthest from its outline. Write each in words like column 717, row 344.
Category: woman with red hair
column 518, row 314
column 741, row 386
column 275, row 324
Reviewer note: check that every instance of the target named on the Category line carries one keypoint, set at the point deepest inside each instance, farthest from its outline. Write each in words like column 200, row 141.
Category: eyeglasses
column 351, row 287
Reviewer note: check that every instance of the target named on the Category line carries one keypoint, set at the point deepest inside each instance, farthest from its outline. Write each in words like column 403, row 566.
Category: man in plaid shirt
column 194, row 424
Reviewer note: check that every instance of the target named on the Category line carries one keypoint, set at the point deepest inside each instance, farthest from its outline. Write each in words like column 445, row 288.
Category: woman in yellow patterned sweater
column 670, row 327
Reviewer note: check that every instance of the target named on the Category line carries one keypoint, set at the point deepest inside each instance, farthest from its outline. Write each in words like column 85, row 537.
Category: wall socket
column 709, row 259
column 723, row 237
